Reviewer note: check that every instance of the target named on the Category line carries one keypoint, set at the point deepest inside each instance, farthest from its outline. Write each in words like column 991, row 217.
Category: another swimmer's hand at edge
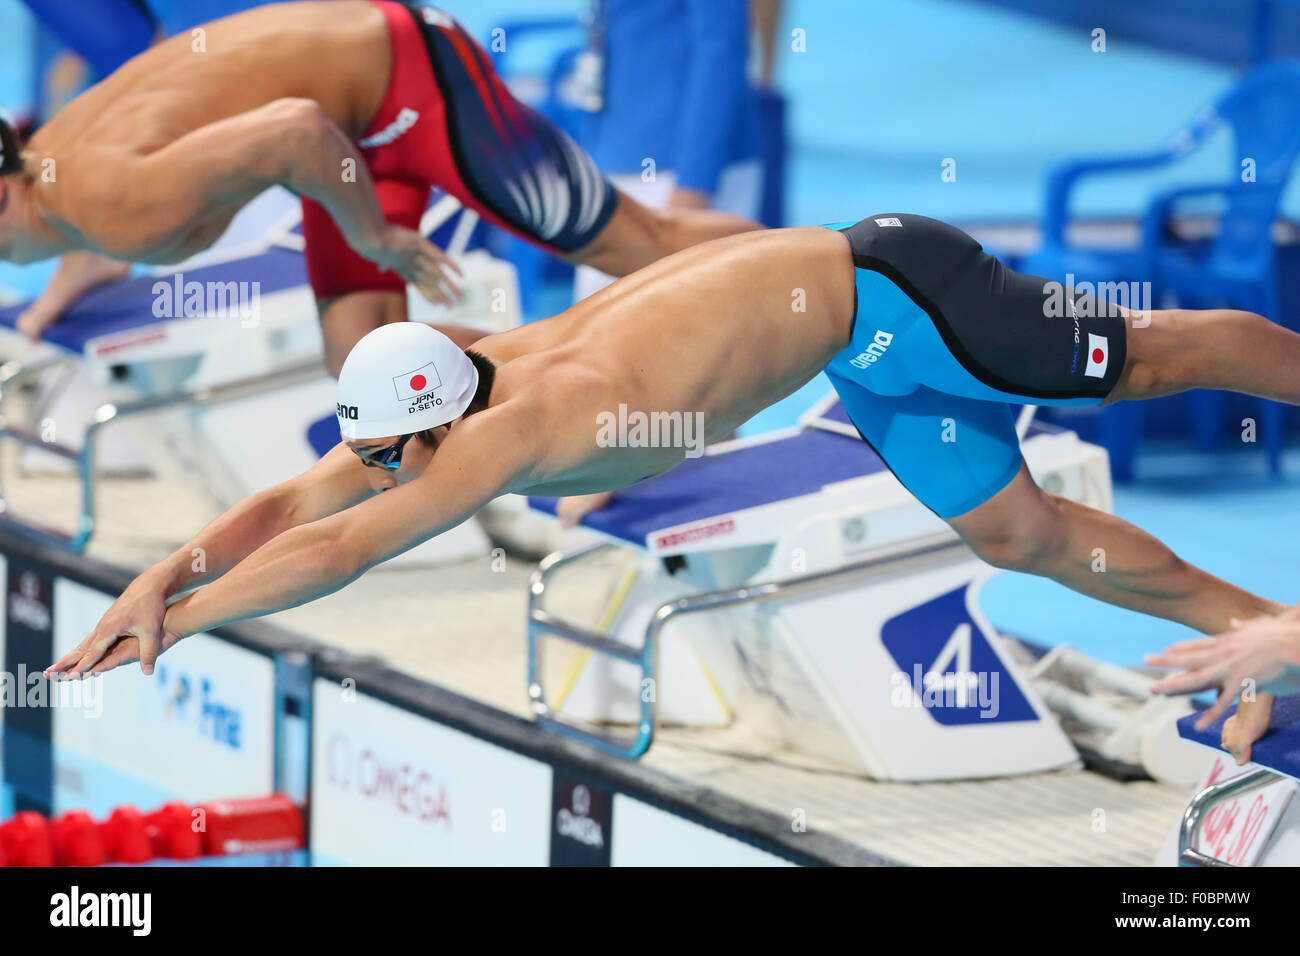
column 1265, row 650
column 1247, row 725
column 132, row 629
column 418, row 261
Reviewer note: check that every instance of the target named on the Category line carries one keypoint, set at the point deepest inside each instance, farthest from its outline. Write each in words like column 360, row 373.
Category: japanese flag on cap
column 1098, row 356
column 403, row 378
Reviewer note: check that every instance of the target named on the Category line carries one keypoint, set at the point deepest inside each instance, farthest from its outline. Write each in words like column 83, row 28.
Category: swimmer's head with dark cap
column 405, row 381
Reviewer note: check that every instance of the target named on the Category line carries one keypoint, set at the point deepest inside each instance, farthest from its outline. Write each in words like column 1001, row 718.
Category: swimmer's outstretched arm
column 334, row 483
column 143, row 203
column 479, row 460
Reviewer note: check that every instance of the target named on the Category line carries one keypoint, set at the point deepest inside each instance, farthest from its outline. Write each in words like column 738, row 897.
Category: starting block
column 805, row 589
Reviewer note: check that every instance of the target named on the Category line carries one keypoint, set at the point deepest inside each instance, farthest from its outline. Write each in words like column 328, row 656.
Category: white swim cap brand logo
column 873, row 351
column 393, row 131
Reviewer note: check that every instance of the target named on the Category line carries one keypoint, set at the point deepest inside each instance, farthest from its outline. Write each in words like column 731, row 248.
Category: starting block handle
column 542, row 623
column 1194, row 815
column 108, row 413
column 37, row 530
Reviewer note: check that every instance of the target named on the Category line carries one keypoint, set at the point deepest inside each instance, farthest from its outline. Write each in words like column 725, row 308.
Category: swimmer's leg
column 1023, row 528
column 636, row 235
column 346, row 318
column 961, row 458
column 78, row 273
column 1172, row 350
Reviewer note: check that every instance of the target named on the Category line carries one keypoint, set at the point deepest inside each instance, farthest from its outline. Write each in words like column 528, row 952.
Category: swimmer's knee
column 1016, row 550
column 346, row 319
column 297, row 113
column 1159, row 360
column 1174, row 350
column 1021, row 532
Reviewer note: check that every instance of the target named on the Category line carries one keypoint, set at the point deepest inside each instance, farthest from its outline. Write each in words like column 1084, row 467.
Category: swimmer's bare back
column 152, row 163
column 722, row 329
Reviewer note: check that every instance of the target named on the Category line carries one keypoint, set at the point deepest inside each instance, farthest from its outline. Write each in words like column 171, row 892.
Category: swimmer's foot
column 571, row 510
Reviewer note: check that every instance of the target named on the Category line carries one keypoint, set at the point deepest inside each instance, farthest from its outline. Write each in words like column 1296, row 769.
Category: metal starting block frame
column 542, row 624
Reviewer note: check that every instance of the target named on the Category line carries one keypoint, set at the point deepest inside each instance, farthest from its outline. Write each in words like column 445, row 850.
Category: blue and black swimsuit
column 945, row 338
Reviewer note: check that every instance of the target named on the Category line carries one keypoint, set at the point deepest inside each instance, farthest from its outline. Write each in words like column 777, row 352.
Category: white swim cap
column 402, row 378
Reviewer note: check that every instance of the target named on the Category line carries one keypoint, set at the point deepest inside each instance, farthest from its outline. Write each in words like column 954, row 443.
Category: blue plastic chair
column 1237, row 270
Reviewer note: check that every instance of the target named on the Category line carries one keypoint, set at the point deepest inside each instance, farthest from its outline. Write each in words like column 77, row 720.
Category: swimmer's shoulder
column 543, row 417
column 496, row 450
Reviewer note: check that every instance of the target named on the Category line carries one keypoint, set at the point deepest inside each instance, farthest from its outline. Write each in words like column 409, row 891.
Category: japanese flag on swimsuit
column 1098, row 356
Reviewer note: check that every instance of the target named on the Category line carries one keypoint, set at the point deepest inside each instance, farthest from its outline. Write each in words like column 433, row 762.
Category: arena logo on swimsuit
column 873, row 351
column 393, row 131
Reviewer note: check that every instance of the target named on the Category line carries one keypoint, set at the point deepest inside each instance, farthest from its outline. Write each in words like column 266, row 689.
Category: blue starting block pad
column 129, row 305
column 742, row 476
column 749, row 476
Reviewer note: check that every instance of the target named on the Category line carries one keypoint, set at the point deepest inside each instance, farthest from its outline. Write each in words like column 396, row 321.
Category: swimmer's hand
column 132, row 629
column 418, row 261
column 78, row 273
